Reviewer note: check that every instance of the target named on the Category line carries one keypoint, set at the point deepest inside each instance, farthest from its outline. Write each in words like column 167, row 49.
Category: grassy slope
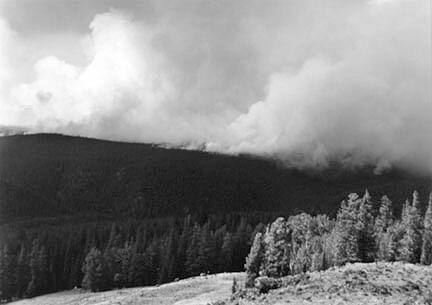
column 45, row 175
column 354, row 284
column 193, row 291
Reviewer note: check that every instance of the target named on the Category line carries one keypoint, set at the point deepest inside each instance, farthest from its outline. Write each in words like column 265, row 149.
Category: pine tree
column 346, row 233
column 138, row 272
column 2, row 275
column 183, row 246
column 383, row 222
column 396, row 233
column 426, row 256
column 234, row 286
column 153, row 261
column 22, row 273
column 44, row 271
column 277, row 249
column 318, row 261
column 37, row 264
column 8, row 286
column 242, row 243
column 226, row 253
column 412, row 241
column 365, row 227
column 207, row 250
column 192, row 265
column 168, row 267
column 385, row 217
column 94, row 269
column 254, row 259
column 384, row 230
column 122, row 276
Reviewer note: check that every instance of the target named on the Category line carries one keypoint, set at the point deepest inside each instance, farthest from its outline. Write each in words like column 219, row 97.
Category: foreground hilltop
column 353, row 284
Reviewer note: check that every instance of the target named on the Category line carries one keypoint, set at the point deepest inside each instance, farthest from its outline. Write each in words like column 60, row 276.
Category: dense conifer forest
column 101, row 256
column 48, row 175
column 363, row 231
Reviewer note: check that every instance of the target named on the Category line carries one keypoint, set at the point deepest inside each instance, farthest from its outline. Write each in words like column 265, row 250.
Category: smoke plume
column 308, row 82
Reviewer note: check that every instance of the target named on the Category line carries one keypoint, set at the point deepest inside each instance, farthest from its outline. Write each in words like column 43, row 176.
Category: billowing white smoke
column 306, row 82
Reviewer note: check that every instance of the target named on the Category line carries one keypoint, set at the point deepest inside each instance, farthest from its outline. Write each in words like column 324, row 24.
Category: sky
column 305, row 81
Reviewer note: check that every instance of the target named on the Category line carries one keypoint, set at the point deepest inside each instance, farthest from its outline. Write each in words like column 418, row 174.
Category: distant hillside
column 49, row 175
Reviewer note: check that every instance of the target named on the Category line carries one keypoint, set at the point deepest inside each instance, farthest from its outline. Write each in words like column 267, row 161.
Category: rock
column 264, row 284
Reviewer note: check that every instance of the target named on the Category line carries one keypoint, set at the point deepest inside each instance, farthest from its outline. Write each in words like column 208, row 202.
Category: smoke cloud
column 308, row 82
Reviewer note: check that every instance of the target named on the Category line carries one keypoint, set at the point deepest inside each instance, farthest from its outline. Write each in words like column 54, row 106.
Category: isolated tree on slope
column 253, row 260
column 426, row 256
column 412, row 241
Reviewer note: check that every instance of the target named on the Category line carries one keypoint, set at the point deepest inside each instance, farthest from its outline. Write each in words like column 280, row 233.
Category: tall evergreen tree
column 38, row 270
column 365, row 227
column 183, row 246
column 2, row 274
column 254, row 260
column 94, row 269
column 138, row 272
column 169, row 258
column 22, row 273
column 383, row 222
column 277, row 243
column 346, row 233
column 226, row 253
column 8, row 282
column 426, row 255
column 207, row 251
column 385, row 216
column 192, row 264
column 412, row 240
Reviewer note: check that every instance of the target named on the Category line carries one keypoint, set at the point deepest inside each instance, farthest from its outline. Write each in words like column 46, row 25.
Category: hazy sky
column 307, row 81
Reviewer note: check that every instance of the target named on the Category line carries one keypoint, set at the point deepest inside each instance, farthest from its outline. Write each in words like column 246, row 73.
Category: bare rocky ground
column 199, row 290
column 371, row 284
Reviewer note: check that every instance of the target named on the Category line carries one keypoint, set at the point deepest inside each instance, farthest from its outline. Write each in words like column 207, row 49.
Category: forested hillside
column 100, row 214
column 50, row 175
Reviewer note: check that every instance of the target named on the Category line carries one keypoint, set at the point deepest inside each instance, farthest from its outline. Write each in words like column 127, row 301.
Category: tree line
column 363, row 231
column 102, row 256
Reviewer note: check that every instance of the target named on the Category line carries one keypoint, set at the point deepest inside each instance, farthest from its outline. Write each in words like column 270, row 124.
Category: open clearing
column 193, row 291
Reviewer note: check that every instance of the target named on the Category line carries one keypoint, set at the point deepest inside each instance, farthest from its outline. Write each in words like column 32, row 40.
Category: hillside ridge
column 44, row 175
